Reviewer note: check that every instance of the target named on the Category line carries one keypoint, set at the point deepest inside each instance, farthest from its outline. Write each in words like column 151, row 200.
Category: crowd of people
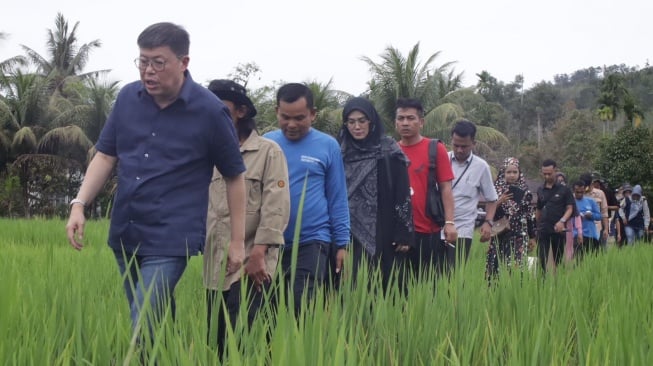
column 300, row 200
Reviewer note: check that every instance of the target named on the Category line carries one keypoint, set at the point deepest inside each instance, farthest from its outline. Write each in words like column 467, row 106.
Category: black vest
column 637, row 221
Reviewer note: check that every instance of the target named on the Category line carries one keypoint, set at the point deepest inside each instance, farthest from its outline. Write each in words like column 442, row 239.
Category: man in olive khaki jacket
column 267, row 212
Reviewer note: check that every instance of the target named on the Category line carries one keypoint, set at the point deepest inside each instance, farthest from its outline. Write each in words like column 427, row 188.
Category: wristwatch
column 490, row 222
column 562, row 220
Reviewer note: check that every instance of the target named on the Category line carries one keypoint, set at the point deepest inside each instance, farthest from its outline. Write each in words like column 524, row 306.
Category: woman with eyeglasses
column 378, row 191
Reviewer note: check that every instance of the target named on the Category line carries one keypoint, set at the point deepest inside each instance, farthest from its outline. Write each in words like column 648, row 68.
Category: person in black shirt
column 555, row 204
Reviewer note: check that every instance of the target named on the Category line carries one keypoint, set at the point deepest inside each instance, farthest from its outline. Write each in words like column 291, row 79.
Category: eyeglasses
column 156, row 64
column 360, row 121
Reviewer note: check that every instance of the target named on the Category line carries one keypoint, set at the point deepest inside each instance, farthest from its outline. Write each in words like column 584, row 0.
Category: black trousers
column 430, row 254
column 310, row 271
column 555, row 241
column 223, row 307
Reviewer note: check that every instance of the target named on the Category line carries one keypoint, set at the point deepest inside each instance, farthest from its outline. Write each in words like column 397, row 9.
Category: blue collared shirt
column 165, row 162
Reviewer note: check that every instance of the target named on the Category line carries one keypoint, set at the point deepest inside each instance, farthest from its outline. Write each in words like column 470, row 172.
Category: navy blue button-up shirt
column 165, row 163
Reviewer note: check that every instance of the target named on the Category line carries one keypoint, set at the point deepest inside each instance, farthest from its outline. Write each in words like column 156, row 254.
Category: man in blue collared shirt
column 167, row 133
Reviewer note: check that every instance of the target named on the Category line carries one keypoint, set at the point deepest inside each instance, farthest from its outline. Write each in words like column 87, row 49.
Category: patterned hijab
column 511, row 207
column 361, row 159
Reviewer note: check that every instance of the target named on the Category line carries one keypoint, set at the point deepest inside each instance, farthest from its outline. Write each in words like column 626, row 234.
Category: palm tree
column 65, row 59
column 22, row 110
column 78, row 120
column 611, row 98
column 328, row 103
column 460, row 104
column 88, row 107
column 397, row 76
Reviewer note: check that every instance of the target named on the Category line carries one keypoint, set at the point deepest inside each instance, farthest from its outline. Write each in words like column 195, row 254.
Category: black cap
column 230, row 90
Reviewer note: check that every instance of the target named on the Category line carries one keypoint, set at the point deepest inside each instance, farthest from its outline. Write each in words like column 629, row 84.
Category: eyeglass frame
column 360, row 121
column 150, row 62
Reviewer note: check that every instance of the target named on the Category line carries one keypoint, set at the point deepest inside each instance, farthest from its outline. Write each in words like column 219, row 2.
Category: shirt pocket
column 467, row 189
column 253, row 187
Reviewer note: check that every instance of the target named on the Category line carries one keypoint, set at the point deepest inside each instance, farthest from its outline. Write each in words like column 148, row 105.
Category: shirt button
column 153, row 133
column 131, row 221
column 146, row 155
column 138, row 178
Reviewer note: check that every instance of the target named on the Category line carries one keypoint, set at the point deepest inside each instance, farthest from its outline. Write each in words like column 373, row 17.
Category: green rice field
column 63, row 307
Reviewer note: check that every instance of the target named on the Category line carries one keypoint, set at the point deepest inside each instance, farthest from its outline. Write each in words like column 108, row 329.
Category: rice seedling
column 62, row 307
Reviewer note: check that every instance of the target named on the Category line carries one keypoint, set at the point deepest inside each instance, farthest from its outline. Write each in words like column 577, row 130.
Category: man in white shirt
column 472, row 178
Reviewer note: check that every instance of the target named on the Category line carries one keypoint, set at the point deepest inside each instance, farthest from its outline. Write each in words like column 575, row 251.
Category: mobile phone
column 517, row 193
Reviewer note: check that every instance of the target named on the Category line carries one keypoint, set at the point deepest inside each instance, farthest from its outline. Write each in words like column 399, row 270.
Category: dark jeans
column 310, row 270
column 555, row 241
column 219, row 302
column 151, row 276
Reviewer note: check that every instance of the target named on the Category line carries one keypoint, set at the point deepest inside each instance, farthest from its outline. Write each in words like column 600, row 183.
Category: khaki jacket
column 267, row 212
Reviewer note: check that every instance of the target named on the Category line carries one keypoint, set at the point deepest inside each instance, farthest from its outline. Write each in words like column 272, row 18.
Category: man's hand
column 236, row 256
column 559, row 227
column 486, row 232
column 341, row 254
column 450, row 233
column 255, row 267
column 75, row 226
column 401, row 248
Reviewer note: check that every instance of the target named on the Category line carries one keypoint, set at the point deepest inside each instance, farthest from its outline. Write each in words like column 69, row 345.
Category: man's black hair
column 165, row 34
column 292, row 92
column 580, row 183
column 464, row 128
column 405, row 103
column 549, row 162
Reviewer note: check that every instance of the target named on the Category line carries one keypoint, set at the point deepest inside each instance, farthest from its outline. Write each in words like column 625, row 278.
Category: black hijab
column 361, row 158
column 372, row 141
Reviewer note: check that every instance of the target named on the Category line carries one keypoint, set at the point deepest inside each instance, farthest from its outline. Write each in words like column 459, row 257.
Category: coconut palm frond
column 68, row 136
column 24, row 141
column 438, row 122
column 490, row 136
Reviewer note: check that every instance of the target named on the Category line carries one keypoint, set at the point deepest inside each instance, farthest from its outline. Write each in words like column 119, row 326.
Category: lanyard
column 469, row 162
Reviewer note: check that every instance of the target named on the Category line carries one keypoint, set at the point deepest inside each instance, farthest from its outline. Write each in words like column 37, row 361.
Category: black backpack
column 434, row 207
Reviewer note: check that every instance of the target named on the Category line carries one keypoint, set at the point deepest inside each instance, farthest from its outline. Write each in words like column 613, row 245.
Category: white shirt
column 476, row 180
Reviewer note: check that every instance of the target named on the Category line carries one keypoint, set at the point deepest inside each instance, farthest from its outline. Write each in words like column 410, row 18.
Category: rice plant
column 63, row 307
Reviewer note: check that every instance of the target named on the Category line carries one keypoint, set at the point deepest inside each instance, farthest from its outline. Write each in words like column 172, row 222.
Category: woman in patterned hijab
column 510, row 245
column 378, row 190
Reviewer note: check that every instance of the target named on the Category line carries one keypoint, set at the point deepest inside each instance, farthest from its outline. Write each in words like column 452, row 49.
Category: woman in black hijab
column 378, row 190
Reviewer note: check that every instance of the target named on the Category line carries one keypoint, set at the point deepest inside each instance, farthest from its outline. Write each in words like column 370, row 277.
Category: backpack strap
column 433, row 155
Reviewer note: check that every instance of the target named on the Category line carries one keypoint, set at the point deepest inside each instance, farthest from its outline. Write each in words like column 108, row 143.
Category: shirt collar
column 251, row 143
column 452, row 157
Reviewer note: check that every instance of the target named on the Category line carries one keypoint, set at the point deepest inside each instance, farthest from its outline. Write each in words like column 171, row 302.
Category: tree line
column 595, row 119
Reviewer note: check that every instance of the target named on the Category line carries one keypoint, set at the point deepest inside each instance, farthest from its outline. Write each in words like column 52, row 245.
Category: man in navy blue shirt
column 166, row 133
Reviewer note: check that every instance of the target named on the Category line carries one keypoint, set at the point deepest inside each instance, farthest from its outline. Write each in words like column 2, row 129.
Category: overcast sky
column 308, row 40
